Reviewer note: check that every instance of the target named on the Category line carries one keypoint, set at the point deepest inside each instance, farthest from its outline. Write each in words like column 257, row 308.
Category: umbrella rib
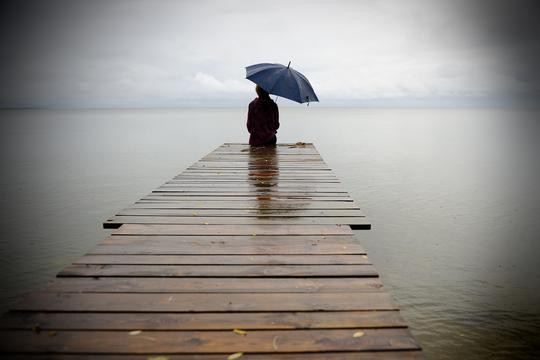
column 298, row 86
column 312, row 92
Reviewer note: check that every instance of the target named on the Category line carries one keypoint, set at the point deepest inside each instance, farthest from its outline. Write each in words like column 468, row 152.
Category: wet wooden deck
column 247, row 254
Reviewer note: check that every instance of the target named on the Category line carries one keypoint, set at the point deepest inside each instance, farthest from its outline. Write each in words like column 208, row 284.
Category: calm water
column 452, row 194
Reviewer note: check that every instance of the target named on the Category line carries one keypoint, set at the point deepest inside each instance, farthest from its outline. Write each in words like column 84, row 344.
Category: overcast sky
column 176, row 53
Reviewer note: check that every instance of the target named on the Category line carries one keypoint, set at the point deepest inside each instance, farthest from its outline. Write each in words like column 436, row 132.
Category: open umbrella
column 282, row 81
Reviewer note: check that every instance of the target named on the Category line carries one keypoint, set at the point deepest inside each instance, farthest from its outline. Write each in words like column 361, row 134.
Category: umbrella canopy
column 282, row 81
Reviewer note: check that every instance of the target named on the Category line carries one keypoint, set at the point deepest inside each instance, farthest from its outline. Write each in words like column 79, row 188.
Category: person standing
column 262, row 119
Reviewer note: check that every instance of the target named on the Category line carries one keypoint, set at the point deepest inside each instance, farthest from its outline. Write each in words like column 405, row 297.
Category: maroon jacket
column 262, row 121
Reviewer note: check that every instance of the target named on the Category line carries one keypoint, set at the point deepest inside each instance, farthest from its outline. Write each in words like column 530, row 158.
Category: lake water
column 452, row 195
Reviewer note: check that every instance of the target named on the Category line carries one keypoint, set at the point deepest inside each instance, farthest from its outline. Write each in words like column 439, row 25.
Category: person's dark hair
column 262, row 93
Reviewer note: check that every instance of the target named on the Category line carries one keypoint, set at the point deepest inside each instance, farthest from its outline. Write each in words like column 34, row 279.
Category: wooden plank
column 205, row 302
column 259, row 341
column 340, row 355
column 213, row 190
column 264, row 156
column 217, row 245
column 216, row 188
column 263, row 195
column 246, row 179
column 258, row 174
column 266, row 153
column 261, row 155
column 273, row 173
column 267, row 204
column 271, row 161
column 243, row 212
column 203, row 321
column 266, row 148
column 238, row 271
column 234, row 241
column 277, row 152
column 281, row 195
column 216, row 285
column 253, row 197
column 280, row 171
column 293, row 168
column 250, row 179
column 242, row 166
column 262, row 159
column 224, row 259
column 257, row 184
column 183, row 179
column 233, row 230
column 116, row 221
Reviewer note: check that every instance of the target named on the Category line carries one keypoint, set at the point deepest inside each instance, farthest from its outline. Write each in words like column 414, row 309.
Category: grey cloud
column 166, row 53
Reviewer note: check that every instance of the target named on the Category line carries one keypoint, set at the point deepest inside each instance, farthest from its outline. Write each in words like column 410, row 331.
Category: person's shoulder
column 253, row 102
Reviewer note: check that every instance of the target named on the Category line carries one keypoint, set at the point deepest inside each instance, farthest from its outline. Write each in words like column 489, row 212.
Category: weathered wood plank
column 256, row 174
column 271, row 162
column 229, row 230
column 266, row 203
column 253, row 197
column 262, row 194
column 183, row 179
column 205, row 302
column 179, row 198
column 259, row 341
column 255, row 184
column 250, row 189
column 221, row 165
column 217, row 285
column 228, row 245
column 341, row 355
column 243, row 212
column 203, row 321
column 224, row 259
column 116, row 221
column 238, row 271
column 312, row 159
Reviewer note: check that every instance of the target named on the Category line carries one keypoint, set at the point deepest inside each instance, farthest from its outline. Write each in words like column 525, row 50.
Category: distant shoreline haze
column 508, row 102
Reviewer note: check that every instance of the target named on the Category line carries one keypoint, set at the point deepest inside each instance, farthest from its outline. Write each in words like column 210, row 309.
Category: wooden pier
column 247, row 254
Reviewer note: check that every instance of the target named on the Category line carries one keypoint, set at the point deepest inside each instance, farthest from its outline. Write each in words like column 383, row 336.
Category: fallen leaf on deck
column 240, row 332
column 158, row 358
column 235, row 356
column 148, row 338
column 274, row 343
column 364, row 256
column 253, row 234
column 135, row 332
column 358, row 334
column 51, row 333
